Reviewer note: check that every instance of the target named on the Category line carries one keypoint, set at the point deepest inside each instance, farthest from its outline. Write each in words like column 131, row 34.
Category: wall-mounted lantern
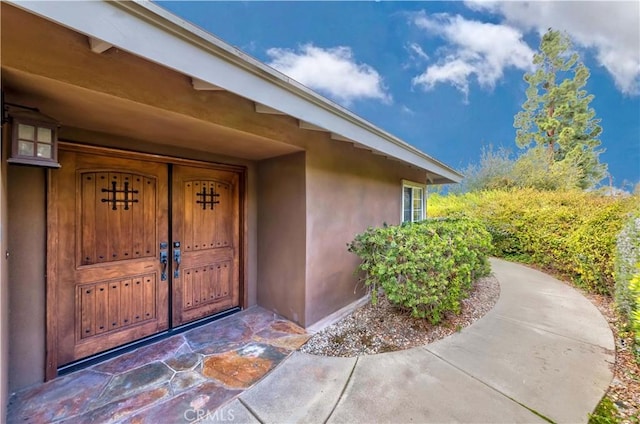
column 34, row 138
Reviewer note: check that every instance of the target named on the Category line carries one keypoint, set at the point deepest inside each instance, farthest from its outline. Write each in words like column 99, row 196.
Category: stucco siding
column 27, row 247
column 281, row 235
column 4, row 283
column 348, row 190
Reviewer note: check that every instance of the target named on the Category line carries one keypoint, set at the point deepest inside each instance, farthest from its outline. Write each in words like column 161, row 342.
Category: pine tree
column 556, row 115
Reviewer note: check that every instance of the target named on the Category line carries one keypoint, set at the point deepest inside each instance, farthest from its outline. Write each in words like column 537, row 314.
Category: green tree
column 497, row 170
column 493, row 172
column 556, row 115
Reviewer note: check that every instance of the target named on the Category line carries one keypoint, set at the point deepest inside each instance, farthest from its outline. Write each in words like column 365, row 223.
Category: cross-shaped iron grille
column 207, row 198
column 113, row 193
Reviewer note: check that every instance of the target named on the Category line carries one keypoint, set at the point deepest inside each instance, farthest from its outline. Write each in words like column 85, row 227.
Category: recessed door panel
column 206, row 229
column 112, row 217
column 116, row 267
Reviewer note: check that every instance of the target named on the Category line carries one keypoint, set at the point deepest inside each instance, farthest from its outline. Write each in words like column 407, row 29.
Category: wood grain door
column 111, row 215
column 206, row 233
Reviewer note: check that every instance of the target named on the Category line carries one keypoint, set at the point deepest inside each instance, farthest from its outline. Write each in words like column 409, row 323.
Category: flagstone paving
column 168, row 381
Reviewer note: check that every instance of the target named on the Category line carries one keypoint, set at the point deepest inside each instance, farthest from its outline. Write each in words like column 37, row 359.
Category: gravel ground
column 384, row 328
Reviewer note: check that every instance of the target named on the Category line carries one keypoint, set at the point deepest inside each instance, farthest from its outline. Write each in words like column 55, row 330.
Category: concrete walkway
column 543, row 353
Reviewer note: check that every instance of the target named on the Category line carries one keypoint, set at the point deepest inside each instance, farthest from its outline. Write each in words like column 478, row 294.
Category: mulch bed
column 384, row 328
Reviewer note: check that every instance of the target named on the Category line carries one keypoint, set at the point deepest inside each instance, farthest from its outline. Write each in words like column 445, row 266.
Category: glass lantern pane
column 44, row 151
column 26, row 132
column 25, row 148
column 44, row 135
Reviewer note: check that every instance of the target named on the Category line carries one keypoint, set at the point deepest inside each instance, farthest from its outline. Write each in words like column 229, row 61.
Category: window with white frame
column 413, row 201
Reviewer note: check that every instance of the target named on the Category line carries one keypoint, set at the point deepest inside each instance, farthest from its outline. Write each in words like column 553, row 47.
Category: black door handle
column 176, row 258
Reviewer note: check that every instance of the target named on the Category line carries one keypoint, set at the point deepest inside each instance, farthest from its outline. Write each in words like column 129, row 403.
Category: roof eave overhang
column 129, row 25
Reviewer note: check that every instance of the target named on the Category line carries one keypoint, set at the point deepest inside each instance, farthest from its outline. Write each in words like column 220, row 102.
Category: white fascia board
column 146, row 30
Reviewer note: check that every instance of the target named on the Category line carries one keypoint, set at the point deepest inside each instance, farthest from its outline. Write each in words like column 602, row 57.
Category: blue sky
column 443, row 76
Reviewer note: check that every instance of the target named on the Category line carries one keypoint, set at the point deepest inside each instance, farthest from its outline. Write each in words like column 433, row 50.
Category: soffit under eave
column 254, row 81
column 76, row 107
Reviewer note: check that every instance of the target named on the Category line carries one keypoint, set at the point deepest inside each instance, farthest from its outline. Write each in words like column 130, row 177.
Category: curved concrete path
column 543, row 353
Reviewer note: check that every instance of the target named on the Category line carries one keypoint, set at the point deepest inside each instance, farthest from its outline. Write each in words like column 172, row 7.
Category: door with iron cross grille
column 129, row 239
column 206, row 222
column 108, row 217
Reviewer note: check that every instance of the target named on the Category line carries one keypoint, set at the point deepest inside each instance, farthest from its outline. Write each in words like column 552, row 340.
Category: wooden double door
column 136, row 247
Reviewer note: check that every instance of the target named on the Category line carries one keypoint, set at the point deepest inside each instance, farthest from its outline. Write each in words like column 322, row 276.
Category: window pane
column 26, row 132
column 44, row 151
column 44, row 135
column 417, row 204
column 407, row 204
column 25, row 148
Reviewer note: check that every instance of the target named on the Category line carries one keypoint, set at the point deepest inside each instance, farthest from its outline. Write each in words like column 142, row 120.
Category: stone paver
column 241, row 368
column 57, row 400
column 184, row 408
column 179, row 379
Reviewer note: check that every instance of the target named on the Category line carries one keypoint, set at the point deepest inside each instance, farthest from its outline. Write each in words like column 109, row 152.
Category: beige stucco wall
column 348, row 190
column 27, row 247
column 281, row 235
column 4, row 285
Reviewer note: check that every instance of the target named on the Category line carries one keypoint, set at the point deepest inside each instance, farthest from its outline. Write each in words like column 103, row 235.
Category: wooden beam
column 200, row 85
column 307, row 126
column 361, row 146
column 338, row 137
column 98, row 46
column 260, row 108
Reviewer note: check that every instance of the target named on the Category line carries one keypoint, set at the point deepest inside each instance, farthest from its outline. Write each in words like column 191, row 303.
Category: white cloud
column 417, row 56
column 332, row 71
column 611, row 28
column 475, row 49
column 406, row 109
column 416, row 52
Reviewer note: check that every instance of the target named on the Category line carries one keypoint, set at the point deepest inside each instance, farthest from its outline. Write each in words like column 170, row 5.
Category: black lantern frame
column 34, row 138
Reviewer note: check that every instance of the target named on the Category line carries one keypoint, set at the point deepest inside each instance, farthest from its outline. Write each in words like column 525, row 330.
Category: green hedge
column 634, row 316
column 426, row 268
column 627, row 274
column 570, row 233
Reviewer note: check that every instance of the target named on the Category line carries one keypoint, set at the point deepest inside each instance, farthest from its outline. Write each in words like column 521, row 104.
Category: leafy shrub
column 593, row 246
column 426, row 268
column 626, row 258
column 605, row 413
column 627, row 275
column 570, row 233
column 634, row 316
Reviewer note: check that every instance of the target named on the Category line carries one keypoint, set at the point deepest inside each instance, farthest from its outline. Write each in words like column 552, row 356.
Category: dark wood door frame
column 51, row 359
